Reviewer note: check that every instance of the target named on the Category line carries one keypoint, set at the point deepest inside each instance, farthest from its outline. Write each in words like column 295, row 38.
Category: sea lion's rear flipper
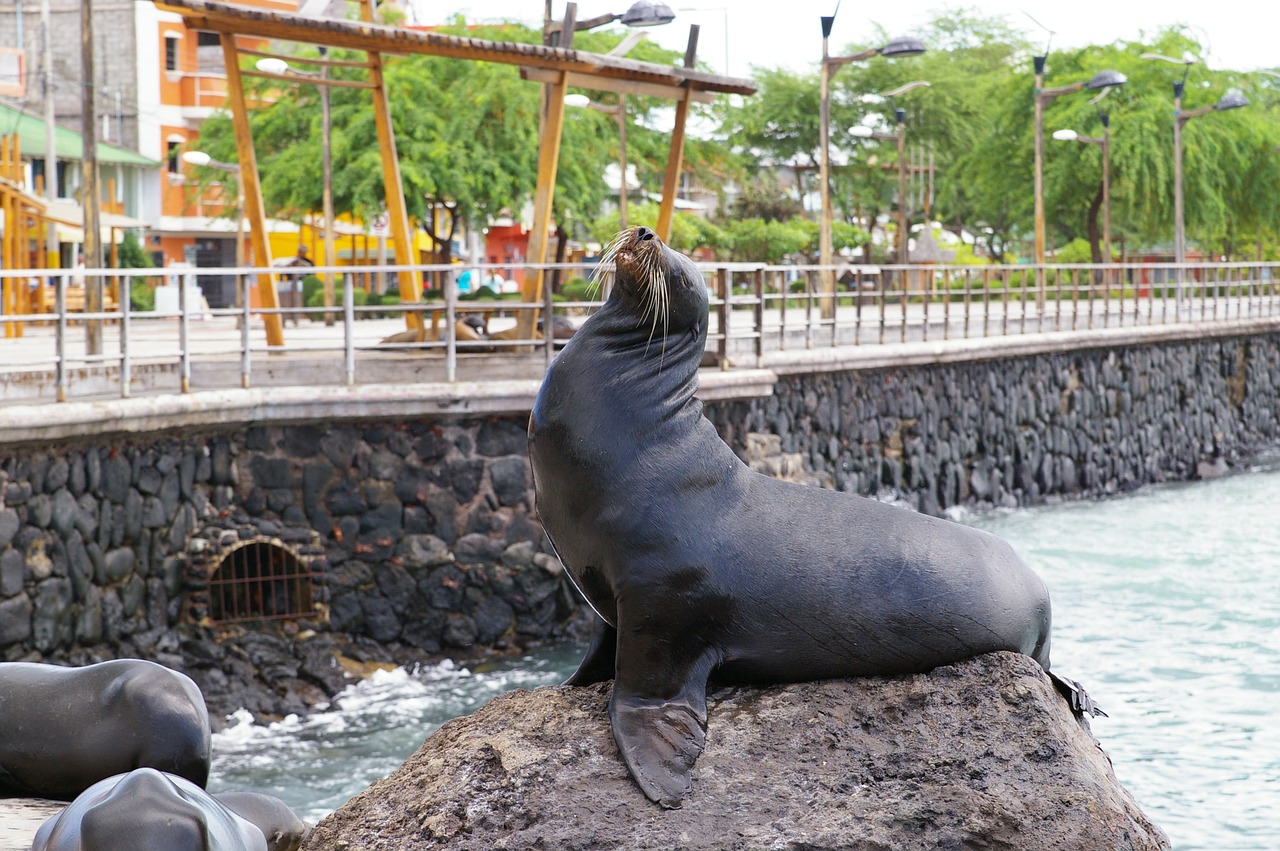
column 659, row 741
column 597, row 665
column 1077, row 698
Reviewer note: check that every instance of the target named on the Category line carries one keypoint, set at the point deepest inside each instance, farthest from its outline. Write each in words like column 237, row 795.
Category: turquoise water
column 1166, row 605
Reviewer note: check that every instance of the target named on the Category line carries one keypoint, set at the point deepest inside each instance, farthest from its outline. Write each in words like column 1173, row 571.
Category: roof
column 233, row 18
column 68, row 143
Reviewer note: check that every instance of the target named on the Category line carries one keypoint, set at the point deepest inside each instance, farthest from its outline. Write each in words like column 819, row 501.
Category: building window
column 208, row 39
column 261, row 580
column 171, row 52
column 173, row 151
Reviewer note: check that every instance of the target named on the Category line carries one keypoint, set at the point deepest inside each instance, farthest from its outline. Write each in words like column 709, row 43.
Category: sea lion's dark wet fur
column 697, row 565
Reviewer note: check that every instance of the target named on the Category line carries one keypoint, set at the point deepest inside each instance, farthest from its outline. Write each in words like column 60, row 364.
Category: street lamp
column 203, row 160
column 1101, row 80
column 642, row 13
column 1105, row 142
column 1230, row 100
column 279, row 67
column 900, row 117
column 900, row 47
column 619, row 112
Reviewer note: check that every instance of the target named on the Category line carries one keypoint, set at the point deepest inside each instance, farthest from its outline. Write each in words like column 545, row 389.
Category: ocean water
column 1166, row 606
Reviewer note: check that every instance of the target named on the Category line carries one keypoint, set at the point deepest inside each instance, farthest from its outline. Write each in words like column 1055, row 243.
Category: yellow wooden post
column 253, row 209
column 8, row 252
column 544, row 195
column 397, row 211
column 675, row 157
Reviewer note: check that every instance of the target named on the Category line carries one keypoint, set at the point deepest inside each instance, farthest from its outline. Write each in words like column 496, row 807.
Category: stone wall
column 1024, row 430
column 424, row 535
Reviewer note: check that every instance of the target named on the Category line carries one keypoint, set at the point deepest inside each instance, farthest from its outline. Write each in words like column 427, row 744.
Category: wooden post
column 544, row 194
column 253, row 208
column 675, row 157
column 397, row 211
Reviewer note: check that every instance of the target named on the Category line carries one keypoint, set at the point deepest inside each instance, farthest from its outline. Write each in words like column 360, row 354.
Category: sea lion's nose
column 643, row 233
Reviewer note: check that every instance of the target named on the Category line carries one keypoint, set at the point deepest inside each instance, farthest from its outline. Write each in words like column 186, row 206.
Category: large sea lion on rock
column 64, row 729
column 699, row 566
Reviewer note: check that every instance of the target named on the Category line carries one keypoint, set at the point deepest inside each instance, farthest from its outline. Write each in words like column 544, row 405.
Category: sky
column 1237, row 34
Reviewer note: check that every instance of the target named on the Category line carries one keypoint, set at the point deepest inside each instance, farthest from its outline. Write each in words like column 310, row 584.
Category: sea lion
column 64, row 729
column 147, row 810
column 699, row 566
column 279, row 824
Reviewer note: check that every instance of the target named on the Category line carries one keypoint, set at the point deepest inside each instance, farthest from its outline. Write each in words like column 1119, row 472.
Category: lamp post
column 900, row 137
column 899, row 47
column 274, row 65
column 203, row 160
column 1101, row 80
column 619, row 112
column 1230, row 100
column 1105, row 142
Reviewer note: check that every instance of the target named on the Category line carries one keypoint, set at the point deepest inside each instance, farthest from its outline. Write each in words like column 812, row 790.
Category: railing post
column 548, row 325
column 724, row 283
column 60, row 304
column 242, row 283
column 348, row 331
column 759, row 316
column 125, row 371
column 183, row 334
column 450, row 332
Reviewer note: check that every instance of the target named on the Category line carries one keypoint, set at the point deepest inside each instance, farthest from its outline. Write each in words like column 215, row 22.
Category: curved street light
column 642, row 13
column 279, row 67
column 619, row 112
column 1231, row 100
column 1101, row 81
column 897, row 48
column 203, row 160
column 1105, row 142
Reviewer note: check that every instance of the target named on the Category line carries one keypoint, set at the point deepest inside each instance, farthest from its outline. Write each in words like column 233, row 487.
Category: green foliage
column 142, row 294
column 131, row 254
column 688, row 232
column 578, row 289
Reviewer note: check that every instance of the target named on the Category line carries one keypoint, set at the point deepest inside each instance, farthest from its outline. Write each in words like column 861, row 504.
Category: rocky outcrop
column 981, row 754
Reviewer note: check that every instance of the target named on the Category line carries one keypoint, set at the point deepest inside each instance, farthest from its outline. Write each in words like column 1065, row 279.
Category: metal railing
column 185, row 345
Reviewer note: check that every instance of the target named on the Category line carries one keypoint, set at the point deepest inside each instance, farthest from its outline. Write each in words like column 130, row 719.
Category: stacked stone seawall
column 1019, row 431
column 422, row 532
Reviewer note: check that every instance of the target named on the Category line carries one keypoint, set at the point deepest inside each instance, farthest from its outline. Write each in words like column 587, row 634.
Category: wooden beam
column 397, row 211
column 253, row 209
column 295, row 79
column 617, row 86
column 363, row 35
column 675, row 156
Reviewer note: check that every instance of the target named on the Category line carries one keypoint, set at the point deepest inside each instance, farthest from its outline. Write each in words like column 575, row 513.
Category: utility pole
column 89, row 183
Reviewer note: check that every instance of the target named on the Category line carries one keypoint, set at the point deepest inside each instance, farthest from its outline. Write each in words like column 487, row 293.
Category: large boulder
column 981, row 754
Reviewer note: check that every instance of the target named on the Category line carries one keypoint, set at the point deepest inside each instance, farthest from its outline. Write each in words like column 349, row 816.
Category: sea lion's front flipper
column 597, row 665
column 659, row 742
column 659, row 708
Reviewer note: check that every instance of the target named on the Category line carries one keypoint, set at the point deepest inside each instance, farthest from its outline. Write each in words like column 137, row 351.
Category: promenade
column 208, row 367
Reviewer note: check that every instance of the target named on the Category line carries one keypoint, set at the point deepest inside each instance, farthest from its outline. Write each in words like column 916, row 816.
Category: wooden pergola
column 557, row 67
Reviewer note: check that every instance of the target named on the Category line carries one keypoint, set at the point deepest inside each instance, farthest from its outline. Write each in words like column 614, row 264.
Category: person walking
column 291, row 294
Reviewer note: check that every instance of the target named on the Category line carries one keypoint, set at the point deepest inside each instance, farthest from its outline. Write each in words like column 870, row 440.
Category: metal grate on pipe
column 261, row 580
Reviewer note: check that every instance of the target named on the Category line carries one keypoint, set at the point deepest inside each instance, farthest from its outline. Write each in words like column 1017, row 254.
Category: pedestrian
column 291, row 295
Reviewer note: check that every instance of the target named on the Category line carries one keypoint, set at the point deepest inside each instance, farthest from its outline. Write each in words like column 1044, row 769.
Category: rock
column 981, row 754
